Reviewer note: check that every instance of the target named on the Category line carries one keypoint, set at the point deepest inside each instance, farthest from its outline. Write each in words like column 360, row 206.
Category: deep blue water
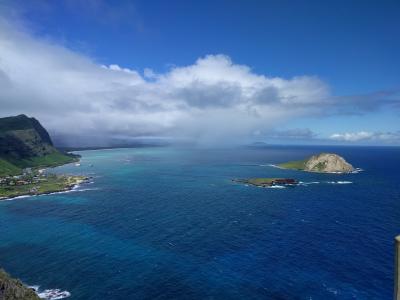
column 164, row 223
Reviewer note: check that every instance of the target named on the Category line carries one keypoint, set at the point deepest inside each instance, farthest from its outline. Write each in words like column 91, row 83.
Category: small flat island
column 320, row 163
column 267, row 182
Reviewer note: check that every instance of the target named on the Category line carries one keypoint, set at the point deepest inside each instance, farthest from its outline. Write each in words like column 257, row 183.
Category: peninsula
column 25, row 150
column 36, row 183
column 320, row 163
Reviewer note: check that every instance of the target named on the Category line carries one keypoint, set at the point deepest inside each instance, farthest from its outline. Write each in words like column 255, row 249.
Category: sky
column 210, row 72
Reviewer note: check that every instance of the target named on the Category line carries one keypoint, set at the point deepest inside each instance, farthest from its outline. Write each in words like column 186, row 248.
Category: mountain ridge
column 25, row 143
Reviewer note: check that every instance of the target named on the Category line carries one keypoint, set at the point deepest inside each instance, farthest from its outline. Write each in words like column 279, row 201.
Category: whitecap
column 34, row 287
column 53, row 294
column 50, row 294
column 332, row 290
column 276, row 187
column 15, row 198
column 274, row 166
column 88, row 189
column 308, row 183
column 74, row 189
column 357, row 170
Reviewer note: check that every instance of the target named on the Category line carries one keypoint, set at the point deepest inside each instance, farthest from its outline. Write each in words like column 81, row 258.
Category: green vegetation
column 319, row 167
column 36, row 185
column 320, row 163
column 24, row 143
column 294, row 165
column 7, row 168
column 20, row 122
column 14, row 166
column 265, row 182
column 49, row 160
column 259, row 181
column 13, row 289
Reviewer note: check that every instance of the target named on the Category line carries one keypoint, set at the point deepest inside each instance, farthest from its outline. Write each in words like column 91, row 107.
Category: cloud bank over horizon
column 366, row 136
column 211, row 101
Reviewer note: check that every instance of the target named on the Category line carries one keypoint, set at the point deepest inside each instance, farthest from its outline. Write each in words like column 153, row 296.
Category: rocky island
column 320, row 163
column 267, row 182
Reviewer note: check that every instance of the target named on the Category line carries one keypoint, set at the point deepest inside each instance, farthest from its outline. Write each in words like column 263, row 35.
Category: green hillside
column 294, row 165
column 7, row 168
column 25, row 143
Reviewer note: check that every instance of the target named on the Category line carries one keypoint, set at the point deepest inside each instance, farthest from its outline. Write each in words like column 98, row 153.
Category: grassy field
column 266, row 182
column 294, row 165
column 14, row 167
column 261, row 181
column 50, row 160
column 52, row 184
column 7, row 168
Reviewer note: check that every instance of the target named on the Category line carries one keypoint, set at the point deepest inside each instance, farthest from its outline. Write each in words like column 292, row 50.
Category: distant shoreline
column 73, row 149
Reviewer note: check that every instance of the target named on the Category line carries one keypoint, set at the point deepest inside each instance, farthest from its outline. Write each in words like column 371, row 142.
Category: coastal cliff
column 321, row 163
column 25, row 143
column 13, row 289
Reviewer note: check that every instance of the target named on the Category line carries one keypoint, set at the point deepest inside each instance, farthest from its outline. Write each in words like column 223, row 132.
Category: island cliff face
column 25, row 143
column 328, row 163
column 13, row 289
column 321, row 163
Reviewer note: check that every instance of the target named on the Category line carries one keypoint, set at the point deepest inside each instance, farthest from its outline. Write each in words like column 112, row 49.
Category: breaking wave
column 74, row 189
column 50, row 294
column 309, row 183
column 276, row 187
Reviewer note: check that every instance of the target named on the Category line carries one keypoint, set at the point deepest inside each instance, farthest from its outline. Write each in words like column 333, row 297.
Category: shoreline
column 65, row 190
column 68, row 188
column 38, row 194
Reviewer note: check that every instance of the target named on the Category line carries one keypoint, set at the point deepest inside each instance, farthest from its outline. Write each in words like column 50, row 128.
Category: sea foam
column 339, row 182
column 50, row 294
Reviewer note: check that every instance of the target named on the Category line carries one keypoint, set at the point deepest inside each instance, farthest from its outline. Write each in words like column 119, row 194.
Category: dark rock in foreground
column 13, row 289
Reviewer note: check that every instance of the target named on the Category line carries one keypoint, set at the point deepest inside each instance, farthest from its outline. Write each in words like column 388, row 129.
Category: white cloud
column 212, row 100
column 295, row 133
column 366, row 136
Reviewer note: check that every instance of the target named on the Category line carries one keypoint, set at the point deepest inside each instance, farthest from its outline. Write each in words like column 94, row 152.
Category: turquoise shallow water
column 166, row 223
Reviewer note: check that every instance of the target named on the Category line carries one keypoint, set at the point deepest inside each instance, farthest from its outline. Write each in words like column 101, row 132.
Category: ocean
column 169, row 223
